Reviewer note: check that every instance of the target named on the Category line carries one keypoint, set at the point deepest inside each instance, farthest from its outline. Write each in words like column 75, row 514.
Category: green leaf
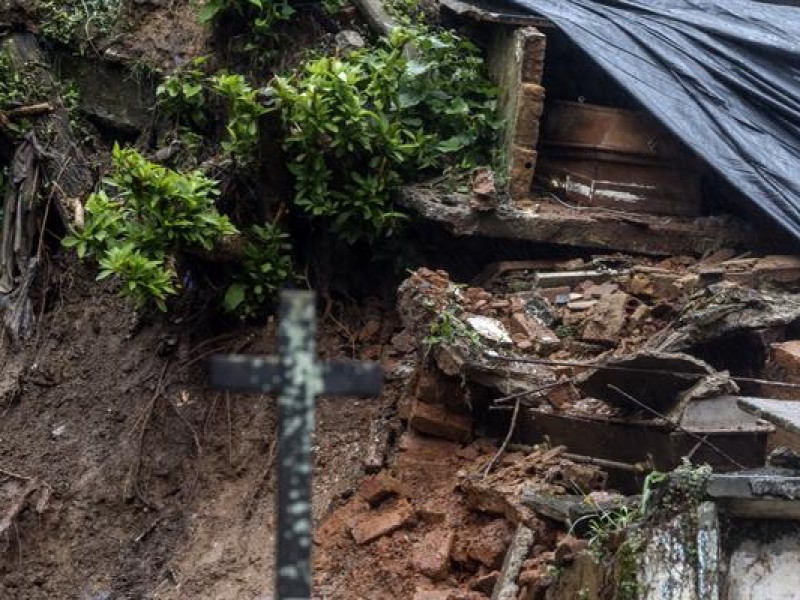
column 234, row 297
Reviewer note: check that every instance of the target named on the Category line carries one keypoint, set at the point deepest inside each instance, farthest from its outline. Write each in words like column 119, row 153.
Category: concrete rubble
column 540, row 396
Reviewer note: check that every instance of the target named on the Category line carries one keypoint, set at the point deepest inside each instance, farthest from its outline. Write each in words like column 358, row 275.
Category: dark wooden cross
column 299, row 378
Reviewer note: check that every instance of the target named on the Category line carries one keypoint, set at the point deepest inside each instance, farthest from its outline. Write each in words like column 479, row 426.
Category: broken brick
column 608, row 319
column 490, row 546
column 564, row 393
column 377, row 488
column 536, row 331
column 787, row 356
column 432, row 554
column 436, row 420
column 373, row 526
column 435, row 387
column 431, row 594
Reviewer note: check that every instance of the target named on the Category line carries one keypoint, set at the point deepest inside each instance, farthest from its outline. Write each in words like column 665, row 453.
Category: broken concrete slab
column 782, row 413
column 654, row 378
column 569, row 509
column 547, row 222
column 726, row 309
column 762, row 562
column 506, row 587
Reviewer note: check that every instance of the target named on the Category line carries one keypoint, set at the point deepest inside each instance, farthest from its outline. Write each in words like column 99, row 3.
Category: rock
column 564, row 393
column 377, row 488
column 436, row 420
column 484, row 192
column 372, row 526
column 568, row 548
column 490, row 547
column 348, row 40
column 607, row 320
column 404, row 342
column 581, row 305
column 535, row 330
column 490, row 329
column 640, row 285
column 600, row 290
column 432, row 554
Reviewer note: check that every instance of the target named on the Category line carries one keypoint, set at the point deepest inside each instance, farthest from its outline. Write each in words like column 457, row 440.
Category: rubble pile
column 440, row 528
column 585, row 372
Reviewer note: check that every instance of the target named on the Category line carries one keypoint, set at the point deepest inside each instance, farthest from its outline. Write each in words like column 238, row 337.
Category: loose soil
column 198, row 520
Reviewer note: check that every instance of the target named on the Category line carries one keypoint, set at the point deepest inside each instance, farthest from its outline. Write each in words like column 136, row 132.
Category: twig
column 189, row 426
column 18, row 505
column 14, row 475
column 33, row 110
column 262, row 478
column 694, row 375
column 132, row 481
column 640, row 468
column 504, row 445
column 680, row 428
column 539, row 390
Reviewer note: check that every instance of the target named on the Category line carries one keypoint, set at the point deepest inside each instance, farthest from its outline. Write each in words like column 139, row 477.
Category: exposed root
column 21, row 502
column 131, row 488
column 511, row 427
column 262, row 478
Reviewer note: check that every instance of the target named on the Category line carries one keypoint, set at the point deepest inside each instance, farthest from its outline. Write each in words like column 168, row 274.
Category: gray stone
column 348, row 40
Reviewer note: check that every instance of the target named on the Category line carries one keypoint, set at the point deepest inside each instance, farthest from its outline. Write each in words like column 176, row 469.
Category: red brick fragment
column 373, row 526
column 432, row 554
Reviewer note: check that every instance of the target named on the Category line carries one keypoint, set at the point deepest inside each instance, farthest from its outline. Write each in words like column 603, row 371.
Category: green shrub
column 359, row 126
column 244, row 110
column 144, row 216
column 265, row 268
column 189, row 96
column 261, row 16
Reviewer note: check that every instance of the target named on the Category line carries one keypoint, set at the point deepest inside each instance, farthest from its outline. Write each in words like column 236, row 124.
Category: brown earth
column 198, row 520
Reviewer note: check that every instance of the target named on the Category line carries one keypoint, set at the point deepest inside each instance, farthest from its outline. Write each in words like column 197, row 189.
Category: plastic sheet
column 722, row 75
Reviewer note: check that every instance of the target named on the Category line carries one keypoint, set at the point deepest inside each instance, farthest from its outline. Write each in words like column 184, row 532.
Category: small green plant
column 260, row 15
column 144, row 216
column 66, row 20
column 184, row 94
column 18, row 87
column 619, row 532
column 243, row 113
column 447, row 329
column 189, row 96
column 359, row 126
column 265, row 268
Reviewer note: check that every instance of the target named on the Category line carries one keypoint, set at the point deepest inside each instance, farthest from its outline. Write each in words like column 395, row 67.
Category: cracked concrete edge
column 506, row 587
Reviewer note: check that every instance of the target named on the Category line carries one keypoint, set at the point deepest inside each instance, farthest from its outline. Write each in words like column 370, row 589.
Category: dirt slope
column 197, row 522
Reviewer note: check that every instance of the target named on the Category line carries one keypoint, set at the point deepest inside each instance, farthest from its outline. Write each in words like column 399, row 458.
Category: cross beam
column 298, row 378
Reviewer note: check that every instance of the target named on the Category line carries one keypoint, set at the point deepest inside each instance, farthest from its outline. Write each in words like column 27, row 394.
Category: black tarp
column 722, row 75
